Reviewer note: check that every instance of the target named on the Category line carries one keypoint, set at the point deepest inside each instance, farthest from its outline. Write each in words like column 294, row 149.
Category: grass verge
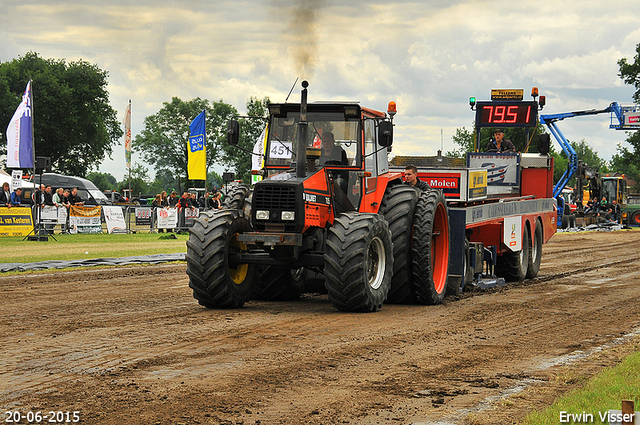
column 88, row 246
column 602, row 393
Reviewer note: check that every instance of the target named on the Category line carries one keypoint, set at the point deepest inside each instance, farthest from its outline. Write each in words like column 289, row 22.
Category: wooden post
column 628, row 409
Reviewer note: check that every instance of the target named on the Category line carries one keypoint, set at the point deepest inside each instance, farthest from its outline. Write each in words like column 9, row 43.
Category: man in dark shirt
column 411, row 176
column 48, row 196
column 499, row 143
column 38, row 196
column 330, row 152
column 183, row 203
column 74, row 199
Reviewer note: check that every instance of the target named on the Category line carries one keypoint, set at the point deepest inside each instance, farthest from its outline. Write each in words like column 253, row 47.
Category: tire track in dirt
column 133, row 346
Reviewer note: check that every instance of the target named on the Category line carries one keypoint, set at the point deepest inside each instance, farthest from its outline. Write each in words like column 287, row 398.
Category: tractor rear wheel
column 358, row 262
column 535, row 254
column 513, row 265
column 277, row 283
column 635, row 218
column 239, row 198
column 216, row 281
column 430, row 248
column 398, row 208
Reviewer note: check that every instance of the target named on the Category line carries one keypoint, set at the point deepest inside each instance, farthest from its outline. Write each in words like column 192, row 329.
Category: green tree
column 73, row 121
column 214, row 180
column 560, row 164
column 139, row 181
column 239, row 157
column 626, row 161
column 464, row 139
column 519, row 136
column 630, row 73
column 163, row 141
column 584, row 153
column 103, row 181
column 165, row 180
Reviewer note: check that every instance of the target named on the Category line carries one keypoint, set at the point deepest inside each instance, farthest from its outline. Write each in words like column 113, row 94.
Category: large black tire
column 277, row 283
column 216, row 283
column 398, row 208
column 635, row 218
column 430, row 250
column 358, row 262
column 535, row 253
column 235, row 199
column 513, row 265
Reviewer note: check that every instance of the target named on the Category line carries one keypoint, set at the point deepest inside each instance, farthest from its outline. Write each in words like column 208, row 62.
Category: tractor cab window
column 329, row 131
column 609, row 189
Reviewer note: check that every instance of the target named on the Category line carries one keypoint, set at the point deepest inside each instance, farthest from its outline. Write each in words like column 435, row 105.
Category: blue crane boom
column 622, row 118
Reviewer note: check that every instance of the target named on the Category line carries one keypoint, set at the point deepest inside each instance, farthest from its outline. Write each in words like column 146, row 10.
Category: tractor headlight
column 288, row 215
column 262, row 215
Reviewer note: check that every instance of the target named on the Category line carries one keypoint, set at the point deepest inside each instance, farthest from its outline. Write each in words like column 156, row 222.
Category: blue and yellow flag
column 197, row 152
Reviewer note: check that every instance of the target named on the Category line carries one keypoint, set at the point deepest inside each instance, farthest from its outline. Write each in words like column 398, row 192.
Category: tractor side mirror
column 385, row 134
column 233, row 132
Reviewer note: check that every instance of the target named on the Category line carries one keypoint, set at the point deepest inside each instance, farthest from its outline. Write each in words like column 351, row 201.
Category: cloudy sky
column 428, row 56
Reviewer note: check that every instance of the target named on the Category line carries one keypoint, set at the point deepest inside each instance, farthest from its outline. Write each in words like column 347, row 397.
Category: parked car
column 87, row 191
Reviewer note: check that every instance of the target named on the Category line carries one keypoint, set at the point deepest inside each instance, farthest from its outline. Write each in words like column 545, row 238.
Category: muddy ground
column 131, row 345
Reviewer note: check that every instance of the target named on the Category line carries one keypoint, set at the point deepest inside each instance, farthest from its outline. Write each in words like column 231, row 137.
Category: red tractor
column 327, row 206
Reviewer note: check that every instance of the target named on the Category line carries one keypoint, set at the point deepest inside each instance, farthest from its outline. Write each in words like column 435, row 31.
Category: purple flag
column 20, row 134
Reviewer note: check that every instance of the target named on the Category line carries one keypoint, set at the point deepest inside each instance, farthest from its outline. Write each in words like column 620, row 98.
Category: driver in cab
column 332, row 154
column 499, row 143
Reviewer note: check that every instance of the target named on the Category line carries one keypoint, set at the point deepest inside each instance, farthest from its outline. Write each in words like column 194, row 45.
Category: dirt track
column 131, row 345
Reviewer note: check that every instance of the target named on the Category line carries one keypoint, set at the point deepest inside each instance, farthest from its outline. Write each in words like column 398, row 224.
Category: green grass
column 600, row 394
column 87, row 246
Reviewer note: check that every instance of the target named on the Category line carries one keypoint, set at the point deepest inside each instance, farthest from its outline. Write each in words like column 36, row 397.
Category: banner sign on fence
column 114, row 217
column 189, row 215
column 85, row 219
column 49, row 214
column 15, row 221
column 143, row 216
column 167, row 218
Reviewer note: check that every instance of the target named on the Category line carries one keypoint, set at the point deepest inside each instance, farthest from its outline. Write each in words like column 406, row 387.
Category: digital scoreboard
column 506, row 113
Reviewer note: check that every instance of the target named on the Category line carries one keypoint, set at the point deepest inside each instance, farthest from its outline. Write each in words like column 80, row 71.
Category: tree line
column 78, row 129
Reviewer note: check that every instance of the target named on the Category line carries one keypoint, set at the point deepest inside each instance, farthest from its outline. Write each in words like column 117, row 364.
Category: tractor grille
column 270, row 197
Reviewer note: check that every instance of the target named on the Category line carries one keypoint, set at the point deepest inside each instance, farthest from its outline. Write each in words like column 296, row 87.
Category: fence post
column 628, row 409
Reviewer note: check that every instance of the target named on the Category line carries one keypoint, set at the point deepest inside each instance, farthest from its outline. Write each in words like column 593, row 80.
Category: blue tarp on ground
column 123, row 261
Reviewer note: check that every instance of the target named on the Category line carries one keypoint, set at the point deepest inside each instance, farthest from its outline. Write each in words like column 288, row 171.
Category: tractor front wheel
column 358, row 262
column 212, row 249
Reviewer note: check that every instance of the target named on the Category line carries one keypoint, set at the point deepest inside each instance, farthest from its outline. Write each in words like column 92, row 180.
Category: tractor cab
column 341, row 158
column 321, row 159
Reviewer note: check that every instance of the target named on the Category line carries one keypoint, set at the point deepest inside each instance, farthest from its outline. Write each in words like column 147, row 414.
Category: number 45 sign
column 281, row 150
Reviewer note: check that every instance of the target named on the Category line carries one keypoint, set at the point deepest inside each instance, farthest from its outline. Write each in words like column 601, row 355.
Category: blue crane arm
column 550, row 121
